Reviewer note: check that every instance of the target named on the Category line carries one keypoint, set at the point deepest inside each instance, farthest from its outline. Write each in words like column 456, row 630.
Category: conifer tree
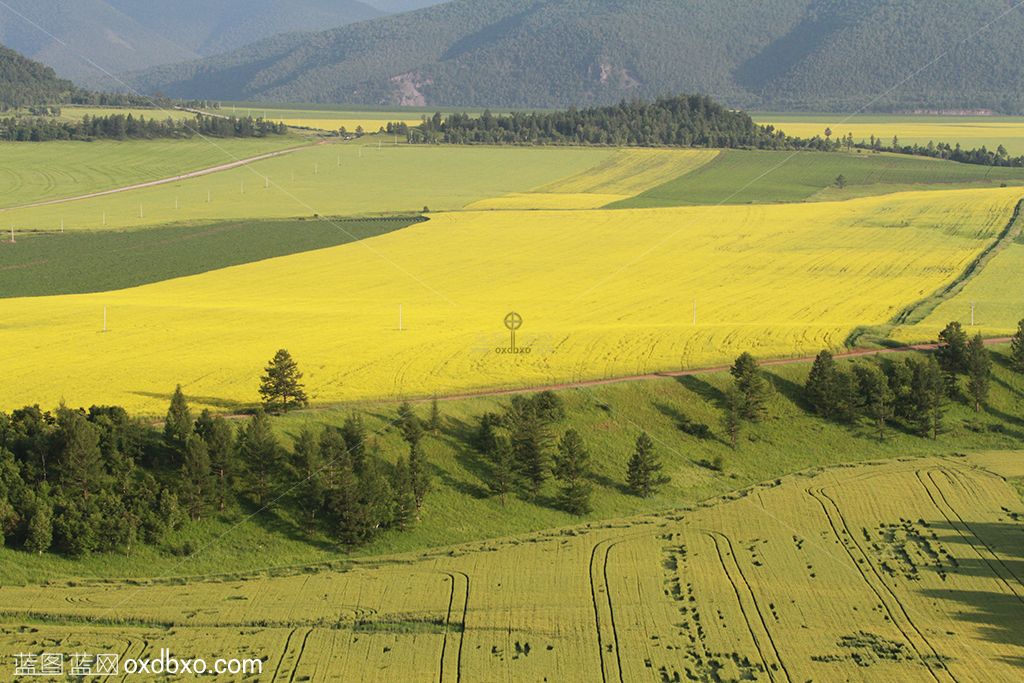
column 820, row 386
column 643, row 474
column 732, row 415
column 979, row 371
column 353, row 433
column 222, row 449
column 308, row 463
column 80, row 461
column 503, row 467
column 928, row 390
column 752, row 385
column 876, row 396
column 178, row 424
column 196, row 477
column 572, row 465
column 260, row 454
column 434, row 423
column 410, row 425
column 1017, row 348
column 405, row 495
column 281, row 383
column 952, row 349
column 418, row 474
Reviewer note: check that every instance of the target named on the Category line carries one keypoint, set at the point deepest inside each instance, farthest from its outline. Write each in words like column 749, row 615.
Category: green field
column 45, row 264
column 461, row 508
column 741, row 177
column 76, row 113
column 354, row 178
column 38, row 171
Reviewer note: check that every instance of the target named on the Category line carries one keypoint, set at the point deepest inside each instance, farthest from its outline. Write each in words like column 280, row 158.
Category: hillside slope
column 122, row 35
column 25, row 83
column 813, row 54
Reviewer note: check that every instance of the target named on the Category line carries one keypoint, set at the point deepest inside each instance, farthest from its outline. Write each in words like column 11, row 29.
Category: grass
column 38, row 171
column 886, row 571
column 460, row 507
column 47, row 264
column 76, row 113
column 356, row 178
column 745, row 177
column 969, row 131
column 777, row 280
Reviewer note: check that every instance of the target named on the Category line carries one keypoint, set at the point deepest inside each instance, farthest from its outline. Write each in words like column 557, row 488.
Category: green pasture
column 355, row 178
column 750, row 177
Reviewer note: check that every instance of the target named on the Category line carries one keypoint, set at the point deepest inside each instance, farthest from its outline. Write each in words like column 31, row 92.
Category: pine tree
column 820, row 386
column 643, row 472
column 405, row 495
column 260, row 454
column 334, row 454
column 196, row 477
column 311, row 493
column 221, row 446
column 928, row 390
column 876, row 396
column 178, row 424
column 410, row 425
column 979, row 371
column 530, row 443
column 752, row 384
column 347, row 511
column 571, row 468
column 418, row 474
column 434, row 423
column 281, row 382
column 952, row 349
column 353, row 433
column 503, row 467
column 732, row 415
column 80, row 461
column 1017, row 348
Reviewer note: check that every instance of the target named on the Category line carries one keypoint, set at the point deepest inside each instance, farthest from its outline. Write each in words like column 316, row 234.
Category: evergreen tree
column 503, row 467
column 80, row 462
column 410, row 425
column 310, row 489
column 377, row 497
column 347, row 511
column 405, row 495
column 876, row 396
column 418, row 474
column 353, row 433
column 334, row 454
column 178, row 424
column 260, row 454
column 845, row 395
column 282, row 382
column 820, row 386
column 643, row 472
column 572, row 465
column 1017, row 348
column 928, row 389
column 434, row 423
column 752, row 385
column 732, row 415
column 219, row 437
column 952, row 350
column 979, row 371
column 197, row 480
column 530, row 442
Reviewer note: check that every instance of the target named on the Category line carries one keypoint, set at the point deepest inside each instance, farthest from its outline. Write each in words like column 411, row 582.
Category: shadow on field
column 457, row 435
column 216, row 402
column 271, row 521
column 993, row 553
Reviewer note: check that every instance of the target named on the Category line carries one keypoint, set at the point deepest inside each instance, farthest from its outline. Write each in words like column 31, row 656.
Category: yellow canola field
column 624, row 174
column 601, row 293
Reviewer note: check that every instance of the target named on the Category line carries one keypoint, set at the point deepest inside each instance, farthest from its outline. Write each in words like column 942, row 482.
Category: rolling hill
column 122, row 35
column 783, row 54
column 26, row 83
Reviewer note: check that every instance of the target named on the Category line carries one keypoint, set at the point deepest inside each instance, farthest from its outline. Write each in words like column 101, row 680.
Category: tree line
column 130, row 127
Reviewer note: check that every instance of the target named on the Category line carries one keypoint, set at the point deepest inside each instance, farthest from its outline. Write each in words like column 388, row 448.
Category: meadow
column 356, row 178
column 899, row 571
column 776, row 280
column 40, row 171
column 327, row 119
column 970, row 132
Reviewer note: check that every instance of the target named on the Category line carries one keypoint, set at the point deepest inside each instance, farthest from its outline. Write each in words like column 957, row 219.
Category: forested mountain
column 24, row 83
column 787, row 54
column 123, row 35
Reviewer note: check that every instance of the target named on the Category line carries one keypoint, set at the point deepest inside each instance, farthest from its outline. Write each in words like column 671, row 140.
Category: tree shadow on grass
column 271, row 521
column 215, row 401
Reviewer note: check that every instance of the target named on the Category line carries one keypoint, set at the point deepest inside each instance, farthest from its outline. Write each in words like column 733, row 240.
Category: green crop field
column 40, row 171
column 742, row 177
column 902, row 571
column 45, row 264
column 329, row 179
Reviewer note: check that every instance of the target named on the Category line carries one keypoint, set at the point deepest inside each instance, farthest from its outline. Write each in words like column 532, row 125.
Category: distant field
column 37, row 171
column 625, row 174
column 968, row 131
column 604, row 293
column 903, row 571
column 329, row 179
column 745, row 177
column 76, row 113
column 327, row 119
column 45, row 264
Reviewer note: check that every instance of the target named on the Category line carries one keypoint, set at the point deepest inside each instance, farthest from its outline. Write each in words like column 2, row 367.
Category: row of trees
column 130, row 127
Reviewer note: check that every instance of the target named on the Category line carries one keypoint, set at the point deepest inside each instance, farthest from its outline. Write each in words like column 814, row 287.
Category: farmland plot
column 828, row 576
column 604, row 293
